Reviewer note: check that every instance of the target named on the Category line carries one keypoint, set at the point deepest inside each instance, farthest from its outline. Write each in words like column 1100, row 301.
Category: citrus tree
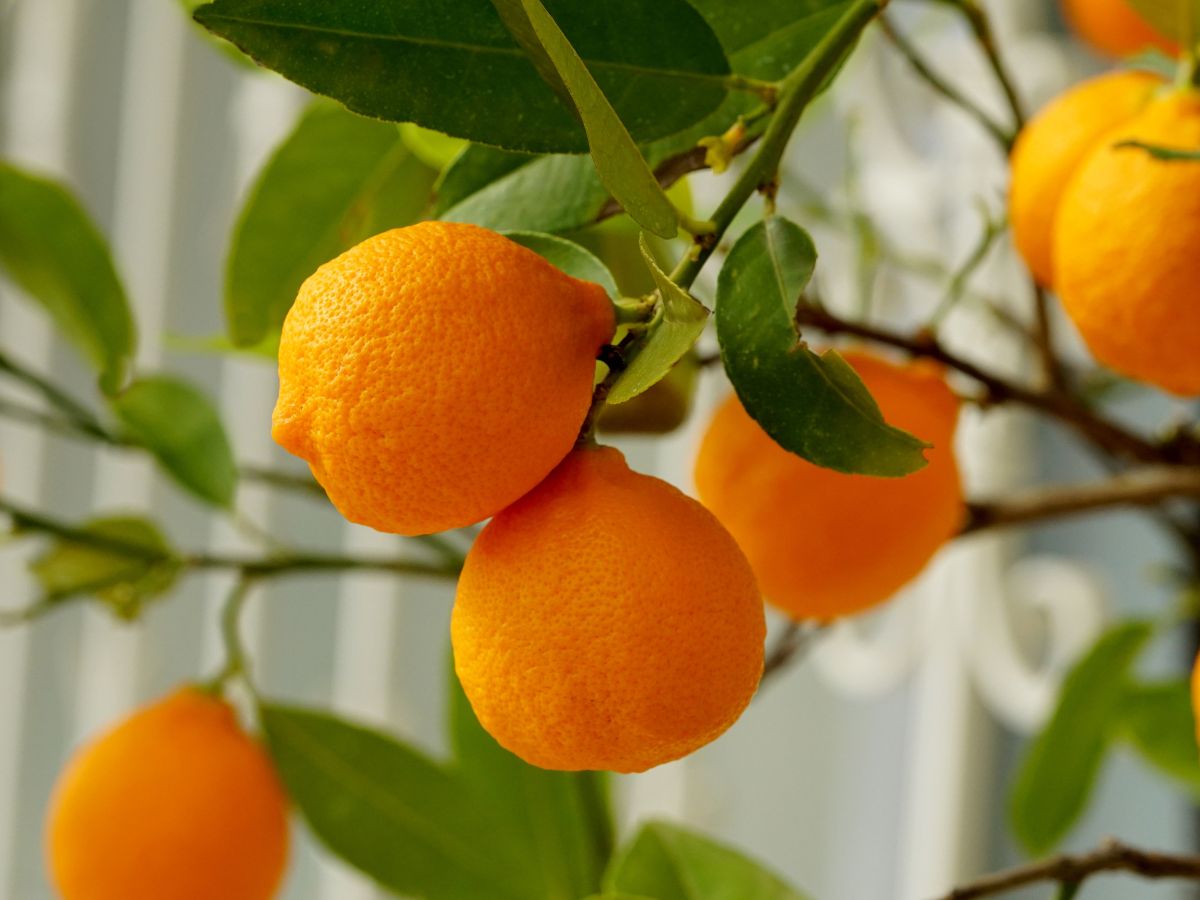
column 472, row 258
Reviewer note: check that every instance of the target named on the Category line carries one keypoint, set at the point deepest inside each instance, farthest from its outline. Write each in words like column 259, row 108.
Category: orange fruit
column 824, row 544
column 175, row 803
column 1127, row 249
column 1050, row 148
column 1114, row 27
column 433, row 374
column 606, row 621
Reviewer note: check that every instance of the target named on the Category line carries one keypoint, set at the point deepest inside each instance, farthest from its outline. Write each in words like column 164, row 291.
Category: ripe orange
column 1114, row 27
column 606, row 621
column 824, row 544
column 1050, row 148
column 433, row 374
column 175, row 803
column 1127, row 249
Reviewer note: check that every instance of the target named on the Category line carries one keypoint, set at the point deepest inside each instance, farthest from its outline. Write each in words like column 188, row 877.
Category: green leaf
column 477, row 166
column 678, row 321
column 619, row 163
column 670, row 863
column 51, row 248
column 813, row 405
column 433, row 148
column 548, row 193
column 125, row 581
column 558, row 823
column 764, row 40
column 179, row 425
column 1169, row 17
column 567, row 256
column 1157, row 720
column 455, row 68
column 389, row 811
column 336, row 179
column 231, row 52
column 1057, row 775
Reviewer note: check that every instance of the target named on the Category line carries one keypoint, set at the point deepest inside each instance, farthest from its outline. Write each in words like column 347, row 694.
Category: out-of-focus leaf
column 1157, row 720
column 670, row 863
column 336, row 179
column 813, row 405
column 1059, row 770
column 477, row 166
column 51, row 248
column 178, row 424
column 433, row 148
column 567, row 256
column 455, row 68
column 619, row 163
column 678, row 321
column 123, row 580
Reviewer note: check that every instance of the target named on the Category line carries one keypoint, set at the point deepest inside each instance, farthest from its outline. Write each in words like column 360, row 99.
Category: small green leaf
column 669, row 863
column 455, row 68
column 179, row 425
column 678, row 321
column 51, row 248
column 389, row 811
column 815, row 406
column 548, row 193
column 1170, row 16
column 619, row 163
column 558, row 823
column 1157, row 720
column 1057, row 775
column 125, row 581
column 336, row 179
column 567, row 256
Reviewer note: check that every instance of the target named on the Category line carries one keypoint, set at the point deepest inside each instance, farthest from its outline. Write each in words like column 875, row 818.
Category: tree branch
column 1140, row 487
column 1051, row 402
column 1073, row 870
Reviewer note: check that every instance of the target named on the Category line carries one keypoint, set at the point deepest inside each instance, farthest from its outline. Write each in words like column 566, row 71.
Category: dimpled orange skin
column 433, row 374
column 606, row 621
column 1114, row 27
column 824, row 544
column 175, row 803
column 1050, row 148
column 1127, row 249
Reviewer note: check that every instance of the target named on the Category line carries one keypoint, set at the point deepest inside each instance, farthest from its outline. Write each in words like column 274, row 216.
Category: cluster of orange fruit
column 1114, row 230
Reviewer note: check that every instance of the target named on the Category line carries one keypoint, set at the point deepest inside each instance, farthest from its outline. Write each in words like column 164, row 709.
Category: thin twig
column 75, row 411
column 1073, row 870
column 1138, row 487
column 789, row 647
column 1059, row 405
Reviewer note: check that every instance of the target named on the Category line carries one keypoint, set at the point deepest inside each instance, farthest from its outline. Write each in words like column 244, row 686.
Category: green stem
column 796, row 91
column 79, row 415
column 236, row 661
column 981, row 27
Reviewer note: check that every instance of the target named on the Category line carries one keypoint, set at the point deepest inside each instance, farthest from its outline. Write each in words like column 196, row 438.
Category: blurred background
column 876, row 767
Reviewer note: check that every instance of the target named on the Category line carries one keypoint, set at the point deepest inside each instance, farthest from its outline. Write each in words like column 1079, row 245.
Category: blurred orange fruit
column 175, row 803
column 606, row 621
column 433, row 374
column 824, row 544
column 1050, row 148
column 1127, row 248
column 1114, row 27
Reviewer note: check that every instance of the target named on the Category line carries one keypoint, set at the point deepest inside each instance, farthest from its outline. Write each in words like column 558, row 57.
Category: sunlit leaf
column 567, row 256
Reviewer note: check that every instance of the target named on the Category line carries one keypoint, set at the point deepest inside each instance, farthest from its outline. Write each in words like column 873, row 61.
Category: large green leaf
column 392, row 813
column 455, row 68
column 548, row 193
column 559, row 823
column 765, row 40
column 178, row 424
column 813, row 405
column 477, row 166
column 336, row 179
column 619, row 162
column 667, row 862
column 51, row 248
column 1157, row 720
column 1056, row 777
column 678, row 321
column 567, row 256
column 124, row 581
